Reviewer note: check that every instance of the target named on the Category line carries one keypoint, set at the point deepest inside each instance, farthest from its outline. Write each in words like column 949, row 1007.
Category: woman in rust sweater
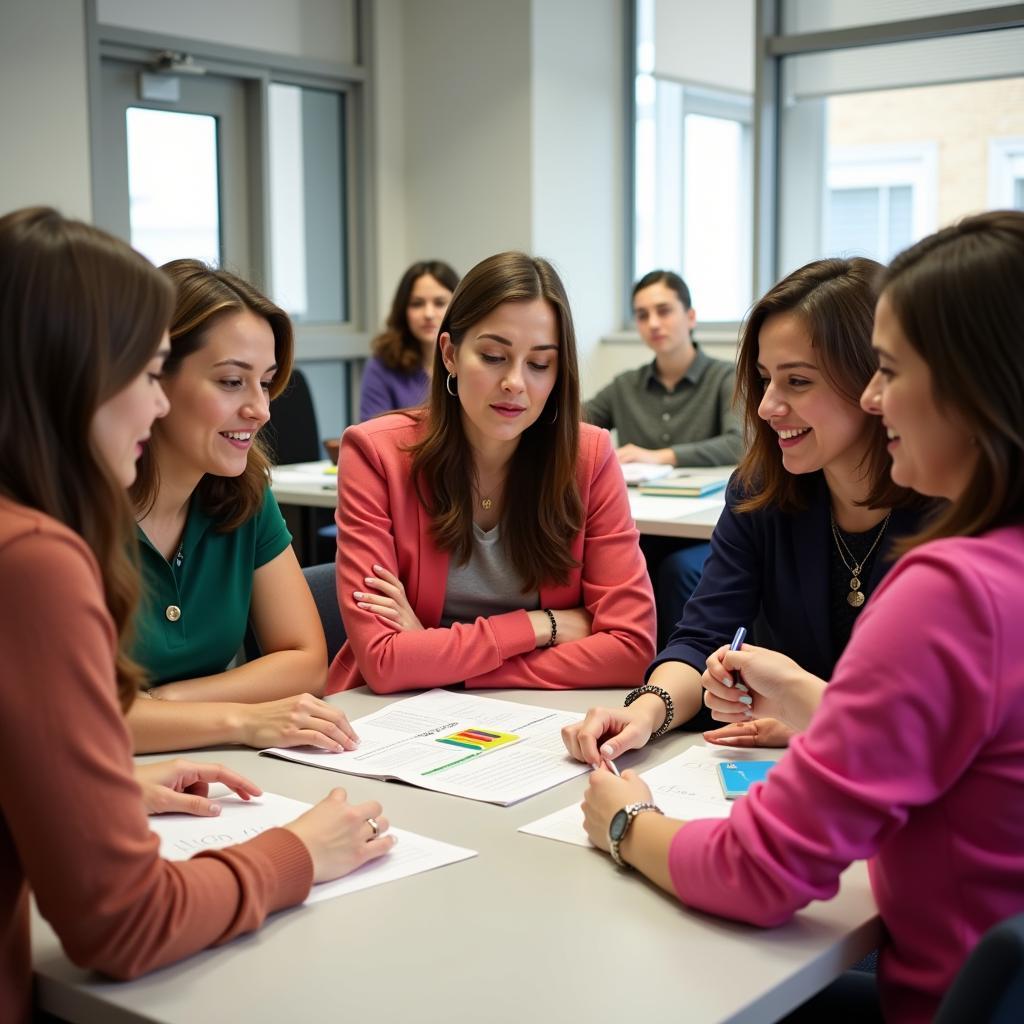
column 82, row 340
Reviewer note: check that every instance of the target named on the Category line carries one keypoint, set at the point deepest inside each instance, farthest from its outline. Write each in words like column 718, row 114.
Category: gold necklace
column 855, row 597
column 486, row 501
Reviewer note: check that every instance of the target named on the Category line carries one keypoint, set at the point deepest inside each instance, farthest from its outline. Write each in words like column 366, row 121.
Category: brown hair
column 203, row 297
column 547, row 513
column 835, row 298
column 668, row 278
column 959, row 300
column 396, row 346
column 81, row 314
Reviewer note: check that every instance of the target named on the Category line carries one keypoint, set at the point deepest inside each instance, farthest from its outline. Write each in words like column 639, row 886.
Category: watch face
column 617, row 829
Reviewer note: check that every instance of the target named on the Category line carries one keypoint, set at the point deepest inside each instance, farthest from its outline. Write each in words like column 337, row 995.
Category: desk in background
column 307, row 484
column 530, row 929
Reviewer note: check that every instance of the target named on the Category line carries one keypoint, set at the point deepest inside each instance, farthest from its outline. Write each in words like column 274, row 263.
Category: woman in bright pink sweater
column 913, row 756
column 488, row 540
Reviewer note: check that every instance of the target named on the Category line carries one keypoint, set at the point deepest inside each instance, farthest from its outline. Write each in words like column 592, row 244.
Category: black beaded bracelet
column 554, row 627
column 670, row 708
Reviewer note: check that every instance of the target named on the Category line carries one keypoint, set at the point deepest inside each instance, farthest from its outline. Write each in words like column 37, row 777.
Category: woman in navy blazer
column 811, row 512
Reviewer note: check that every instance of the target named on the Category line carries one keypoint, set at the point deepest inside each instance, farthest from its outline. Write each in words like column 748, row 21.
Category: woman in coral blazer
column 488, row 540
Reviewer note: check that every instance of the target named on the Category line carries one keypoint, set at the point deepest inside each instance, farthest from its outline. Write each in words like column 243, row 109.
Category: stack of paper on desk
column 685, row 787
column 476, row 747
column 688, row 483
column 642, row 472
column 182, row 835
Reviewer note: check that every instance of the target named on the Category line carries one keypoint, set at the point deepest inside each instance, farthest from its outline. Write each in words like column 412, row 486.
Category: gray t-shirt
column 487, row 584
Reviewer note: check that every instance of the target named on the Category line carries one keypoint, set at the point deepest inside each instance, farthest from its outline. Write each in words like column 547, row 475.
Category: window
column 1006, row 173
column 173, row 195
column 693, row 142
column 879, row 199
column 880, row 145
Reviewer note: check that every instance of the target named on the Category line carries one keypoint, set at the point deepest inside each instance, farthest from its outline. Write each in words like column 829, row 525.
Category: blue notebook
column 737, row 777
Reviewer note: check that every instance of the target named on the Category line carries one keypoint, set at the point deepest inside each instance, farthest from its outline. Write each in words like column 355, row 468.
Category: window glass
column 693, row 143
column 174, row 203
column 309, row 254
column 869, row 170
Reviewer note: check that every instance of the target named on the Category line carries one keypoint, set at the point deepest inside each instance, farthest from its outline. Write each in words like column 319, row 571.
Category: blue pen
column 737, row 643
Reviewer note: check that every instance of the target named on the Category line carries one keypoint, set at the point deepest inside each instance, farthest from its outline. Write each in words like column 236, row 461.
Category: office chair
column 292, row 432
column 293, row 436
column 989, row 988
column 320, row 580
column 322, row 585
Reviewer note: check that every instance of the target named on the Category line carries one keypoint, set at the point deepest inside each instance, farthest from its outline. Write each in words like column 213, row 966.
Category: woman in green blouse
column 215, row 549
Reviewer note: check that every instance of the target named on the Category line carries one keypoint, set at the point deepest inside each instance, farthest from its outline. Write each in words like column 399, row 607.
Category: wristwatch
column 620, row 824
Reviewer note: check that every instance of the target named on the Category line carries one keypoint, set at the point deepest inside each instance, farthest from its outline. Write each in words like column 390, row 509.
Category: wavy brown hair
column 538, row 527
column 835, row 298
column 959, row 298
column 203, row 296
column 81, row 314
column 396, row 346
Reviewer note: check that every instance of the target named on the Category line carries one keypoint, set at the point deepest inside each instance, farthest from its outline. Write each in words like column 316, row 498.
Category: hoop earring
column 448, row 386
column 554, row 419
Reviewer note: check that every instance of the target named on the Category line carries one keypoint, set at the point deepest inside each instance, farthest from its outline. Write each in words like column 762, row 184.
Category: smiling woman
column 487, row 539
column 215, row 549
column 811, row 515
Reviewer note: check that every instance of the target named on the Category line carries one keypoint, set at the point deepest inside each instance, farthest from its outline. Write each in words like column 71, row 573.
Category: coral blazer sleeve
column 381, row 521
column 70, row 803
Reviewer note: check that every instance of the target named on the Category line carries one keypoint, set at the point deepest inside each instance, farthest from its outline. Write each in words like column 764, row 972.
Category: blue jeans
column 675, row 568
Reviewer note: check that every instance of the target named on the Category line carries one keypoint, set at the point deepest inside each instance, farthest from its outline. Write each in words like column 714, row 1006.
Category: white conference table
column 314, row 485
column 529, row 929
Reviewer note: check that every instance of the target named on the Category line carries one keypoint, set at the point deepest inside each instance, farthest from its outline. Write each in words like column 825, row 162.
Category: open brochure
column 481, row 748
column 182, row 835
column 686, row 787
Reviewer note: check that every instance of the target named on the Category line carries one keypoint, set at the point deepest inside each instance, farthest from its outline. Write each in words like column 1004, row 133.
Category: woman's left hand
column 182, row 786
column 389, row 603
column 606, row 795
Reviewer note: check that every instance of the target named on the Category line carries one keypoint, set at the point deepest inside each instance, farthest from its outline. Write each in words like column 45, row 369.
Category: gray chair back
column 989, row 989
column 321, row 581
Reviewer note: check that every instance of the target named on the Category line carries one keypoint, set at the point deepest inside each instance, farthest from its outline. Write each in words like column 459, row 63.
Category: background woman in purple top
column 397, row 374
column 913, row 755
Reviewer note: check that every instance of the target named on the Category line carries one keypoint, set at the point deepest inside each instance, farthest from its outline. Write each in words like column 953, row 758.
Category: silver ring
column 373, row 824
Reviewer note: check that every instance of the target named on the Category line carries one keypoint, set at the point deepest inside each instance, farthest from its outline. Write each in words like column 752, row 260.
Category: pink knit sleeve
column 908, row 708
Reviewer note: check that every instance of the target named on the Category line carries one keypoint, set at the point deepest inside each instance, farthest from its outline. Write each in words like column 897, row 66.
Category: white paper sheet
column 642, row 472
column 685, row 787
column 182, row 835
column 401, row 742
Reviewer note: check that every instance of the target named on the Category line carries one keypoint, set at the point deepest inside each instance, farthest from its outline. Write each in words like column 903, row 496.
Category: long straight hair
column 203, row 296
column 545, row 511
column 81, row 314
column 958, row 296
column 835, row 299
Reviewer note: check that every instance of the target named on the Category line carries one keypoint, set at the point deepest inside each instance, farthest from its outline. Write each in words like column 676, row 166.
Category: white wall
column 578, row 145
column 466, row 128
column 44, row 118
column 317, row 29
column 706, row 43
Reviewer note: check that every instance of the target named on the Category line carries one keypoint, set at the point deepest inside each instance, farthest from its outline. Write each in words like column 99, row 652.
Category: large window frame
column 346, row 339
column 773, row 46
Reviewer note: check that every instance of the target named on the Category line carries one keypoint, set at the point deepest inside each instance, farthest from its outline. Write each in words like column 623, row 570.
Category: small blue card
column 737, row 777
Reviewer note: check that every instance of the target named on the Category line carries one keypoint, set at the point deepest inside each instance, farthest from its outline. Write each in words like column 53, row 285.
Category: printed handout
column 182, row 835
column 684, row 787
column 480, row 748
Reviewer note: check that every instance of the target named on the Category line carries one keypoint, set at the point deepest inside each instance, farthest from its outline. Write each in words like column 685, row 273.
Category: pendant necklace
column 855, row 597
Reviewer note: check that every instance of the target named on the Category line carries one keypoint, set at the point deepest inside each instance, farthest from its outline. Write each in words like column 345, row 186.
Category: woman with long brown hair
column 83, row 336
column 214, row 547
column 810, row 518
column 487, row 538
column 397, row 375
column 912, row 756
